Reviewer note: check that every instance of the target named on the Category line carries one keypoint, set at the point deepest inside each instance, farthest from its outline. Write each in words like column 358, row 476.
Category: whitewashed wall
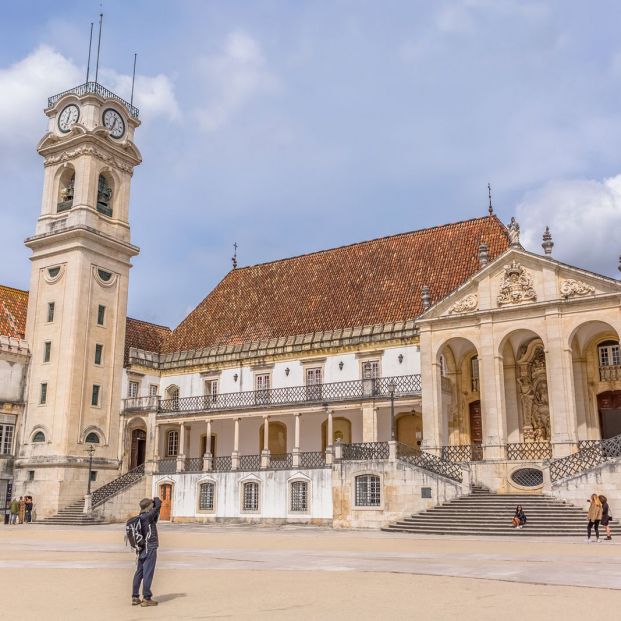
column 273, row 495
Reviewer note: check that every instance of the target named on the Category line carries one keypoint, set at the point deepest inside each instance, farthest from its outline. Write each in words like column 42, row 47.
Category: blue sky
column 297, row 126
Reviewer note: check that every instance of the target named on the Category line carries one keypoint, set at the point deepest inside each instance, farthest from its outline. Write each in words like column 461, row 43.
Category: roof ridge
column 150, row 323
column 14, row 289
column 370, row 241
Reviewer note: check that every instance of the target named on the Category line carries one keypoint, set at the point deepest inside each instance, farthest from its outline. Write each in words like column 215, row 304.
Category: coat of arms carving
column 469, row 303
column 570, row 288
column 516, row 285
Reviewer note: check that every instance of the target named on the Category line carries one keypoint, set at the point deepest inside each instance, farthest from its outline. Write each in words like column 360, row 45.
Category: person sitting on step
column 519, row 519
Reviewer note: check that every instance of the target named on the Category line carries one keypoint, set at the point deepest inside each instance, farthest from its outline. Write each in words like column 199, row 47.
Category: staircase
column 74, row 515
column 485, row 513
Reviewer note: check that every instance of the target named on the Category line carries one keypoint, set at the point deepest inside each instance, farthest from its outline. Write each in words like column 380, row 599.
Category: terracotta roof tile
column 367, row 283
column 13, row 311
column 144, row 335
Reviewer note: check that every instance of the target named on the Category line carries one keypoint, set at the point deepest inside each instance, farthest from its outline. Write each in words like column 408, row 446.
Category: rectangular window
column 95, row 395
column 47, row 351
column 370, row 375
column 211, row 390
column 101, row 315
column 153, row 390
column 368, row 490
column 133, row 390
column 313, row 383
column 50, row 311
column 31, row 475
column 205, row 498
column 251, row 497
column 98, row 353
column 262, row 387
column 299, row 496
column 6, row 439
column 43, row 394
column 93, row 475
column 173, row 444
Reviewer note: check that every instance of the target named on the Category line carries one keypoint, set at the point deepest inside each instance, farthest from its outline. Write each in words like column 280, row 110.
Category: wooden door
column 166, row 498
column 139, row 441
column 476, row 430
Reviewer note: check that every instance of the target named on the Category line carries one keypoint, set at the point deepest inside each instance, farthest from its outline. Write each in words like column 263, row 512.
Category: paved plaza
column 213, row 572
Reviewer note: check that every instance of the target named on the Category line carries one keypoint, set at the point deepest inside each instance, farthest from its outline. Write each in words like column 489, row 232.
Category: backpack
column 134, row 535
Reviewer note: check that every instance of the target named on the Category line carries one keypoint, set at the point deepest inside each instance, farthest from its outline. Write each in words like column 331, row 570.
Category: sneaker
column 588, row 540
column 136, row 601
column 148, row 602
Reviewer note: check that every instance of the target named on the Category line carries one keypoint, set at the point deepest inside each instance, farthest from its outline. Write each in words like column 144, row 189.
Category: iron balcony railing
column 354, row 390
column 591, row 453
column 363, row 451
column 459, row 453
column 97, row 89
column 525, row 451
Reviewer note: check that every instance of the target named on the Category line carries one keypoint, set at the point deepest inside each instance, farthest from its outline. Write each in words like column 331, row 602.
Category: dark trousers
column 590, row 526
column 145, row 568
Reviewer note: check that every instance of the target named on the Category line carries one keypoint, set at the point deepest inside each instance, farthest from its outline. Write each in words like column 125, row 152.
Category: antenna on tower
column 98, row 47
column 90, row 45
column 131, row 100
column 490, row 209
column 234, row 258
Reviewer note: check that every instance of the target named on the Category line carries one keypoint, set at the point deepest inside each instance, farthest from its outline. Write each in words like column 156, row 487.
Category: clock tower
column 81, row 253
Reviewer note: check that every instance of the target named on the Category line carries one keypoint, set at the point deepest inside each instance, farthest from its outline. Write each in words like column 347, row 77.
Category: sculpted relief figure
column 541, row 413
column 533, row 387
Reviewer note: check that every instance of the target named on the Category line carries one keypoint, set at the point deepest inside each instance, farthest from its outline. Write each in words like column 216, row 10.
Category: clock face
column 68, row 117
column 114, row 123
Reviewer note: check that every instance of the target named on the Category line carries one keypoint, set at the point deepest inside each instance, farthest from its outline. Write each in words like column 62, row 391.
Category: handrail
column 98, row 89
column 592, row 453
column 117, row 485
column 401, row 386
column 415, row 457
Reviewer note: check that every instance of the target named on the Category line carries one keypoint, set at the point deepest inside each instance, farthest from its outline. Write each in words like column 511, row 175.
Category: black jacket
column 148, row 521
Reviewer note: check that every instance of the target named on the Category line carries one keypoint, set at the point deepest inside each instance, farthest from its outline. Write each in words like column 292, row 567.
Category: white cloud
column 233, row 78
column 455, row 19
column 584, row 217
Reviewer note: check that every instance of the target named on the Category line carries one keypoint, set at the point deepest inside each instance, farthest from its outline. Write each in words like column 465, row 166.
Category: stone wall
column 402, row 493
column 496, row 476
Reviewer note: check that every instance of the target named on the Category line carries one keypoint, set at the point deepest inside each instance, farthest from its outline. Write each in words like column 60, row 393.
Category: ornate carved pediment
column 575, row 288
column 466, row 304
column 87, row 150
column 516, row 285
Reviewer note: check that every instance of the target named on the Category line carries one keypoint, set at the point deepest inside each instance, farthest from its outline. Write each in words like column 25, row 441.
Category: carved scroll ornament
column 516, row 285
column 570, row 288
column 469, row 303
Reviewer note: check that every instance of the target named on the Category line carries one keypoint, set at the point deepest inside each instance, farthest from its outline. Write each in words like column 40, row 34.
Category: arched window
column 298, row 496
column 250, row 496
column 172, row 444
column 206, row 492
column 609, row 354
column 104, row 195
column 173, row 394
column 474, row 374
column 92, row 438
column 66, row 187
column 368, row 493
column 39, row 436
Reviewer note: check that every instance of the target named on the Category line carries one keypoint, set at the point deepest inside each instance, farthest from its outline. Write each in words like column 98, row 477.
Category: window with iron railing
column 299, row 496
column 206, row 496
column 368, row 491
column 250, row 496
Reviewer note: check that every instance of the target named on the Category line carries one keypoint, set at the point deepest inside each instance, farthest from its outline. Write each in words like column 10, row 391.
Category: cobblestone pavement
column 216, row 572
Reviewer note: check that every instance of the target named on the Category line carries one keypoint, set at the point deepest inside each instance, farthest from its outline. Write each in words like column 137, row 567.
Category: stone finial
column 234, row 257
column 483, row 254
column 514, row 233
column 425, row 297
column 547, row 244
column 490, row 208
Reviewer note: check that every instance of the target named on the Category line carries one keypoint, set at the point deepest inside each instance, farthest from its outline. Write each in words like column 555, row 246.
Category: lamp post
column 391, row 390
column 90, row 450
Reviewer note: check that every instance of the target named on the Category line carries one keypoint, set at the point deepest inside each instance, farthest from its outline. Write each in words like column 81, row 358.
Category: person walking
column 147, row 557
column 595, row 515
column 13, row 511
column 22, row 509
column 606, row 517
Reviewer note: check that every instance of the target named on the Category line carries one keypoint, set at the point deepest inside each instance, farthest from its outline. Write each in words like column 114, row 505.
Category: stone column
column 208, row 457
column 431, row 393
column 561, row 391
column 235, row 455
column 296, row 441
column 329, row 439
column 369, row 422
column 265, row 454
column 150, row 464
column 181, row 453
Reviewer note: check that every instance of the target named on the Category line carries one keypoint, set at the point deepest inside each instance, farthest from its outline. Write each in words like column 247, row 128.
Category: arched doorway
column 212, row 445
column 609, row 406
column 341, row 431
column 277, row 441
column 166, row 490
column 410, row 429
column 138, row 448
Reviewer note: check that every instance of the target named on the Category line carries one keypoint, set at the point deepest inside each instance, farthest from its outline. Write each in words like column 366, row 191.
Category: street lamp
column 90, row 450
column 391, row 391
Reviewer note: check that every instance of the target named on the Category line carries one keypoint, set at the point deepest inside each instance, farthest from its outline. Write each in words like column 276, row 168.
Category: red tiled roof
column 367, row 283
column 144, row 335
column 13, row 311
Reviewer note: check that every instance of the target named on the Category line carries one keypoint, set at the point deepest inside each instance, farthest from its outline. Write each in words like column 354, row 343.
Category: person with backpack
column 141, row 532
column 606, row 517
